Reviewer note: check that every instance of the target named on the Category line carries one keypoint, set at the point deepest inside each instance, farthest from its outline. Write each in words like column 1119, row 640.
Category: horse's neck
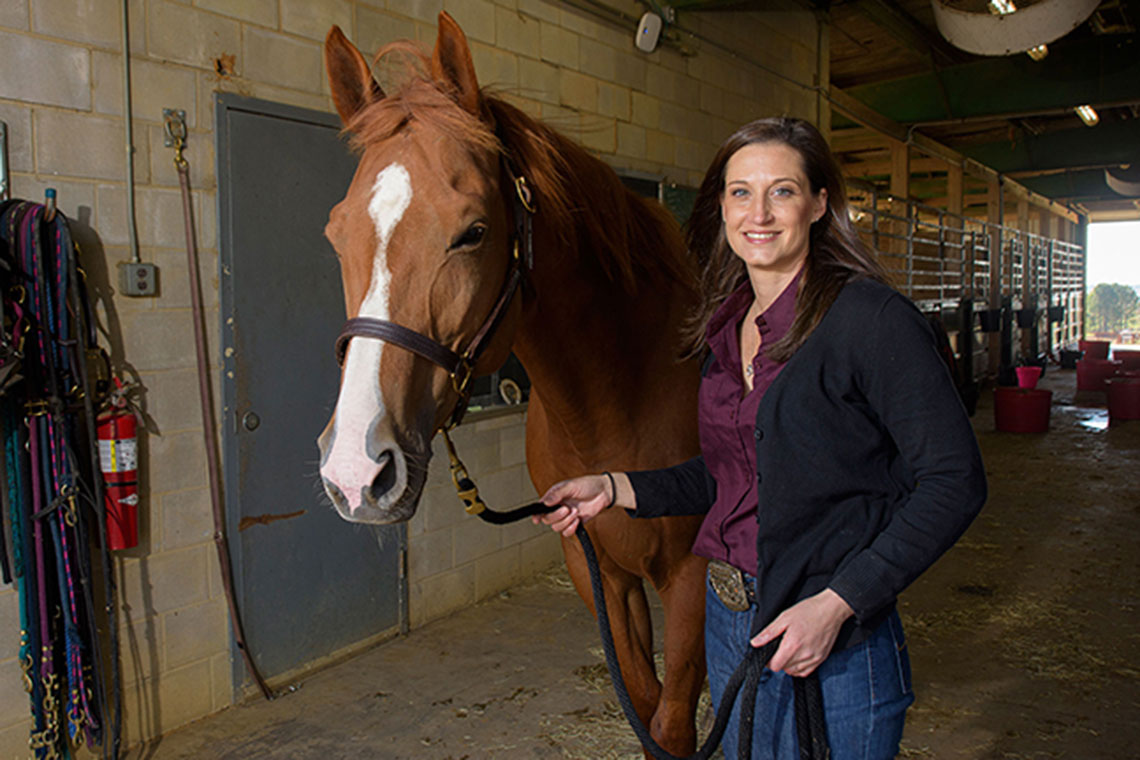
column 603, row 367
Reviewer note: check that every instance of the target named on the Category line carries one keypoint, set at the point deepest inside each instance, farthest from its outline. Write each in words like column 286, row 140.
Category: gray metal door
column 307, row 582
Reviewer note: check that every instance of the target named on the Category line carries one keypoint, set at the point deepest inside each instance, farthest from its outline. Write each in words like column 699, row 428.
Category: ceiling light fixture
column 1002, row 7
column 1039, row 52
column 1088, row 115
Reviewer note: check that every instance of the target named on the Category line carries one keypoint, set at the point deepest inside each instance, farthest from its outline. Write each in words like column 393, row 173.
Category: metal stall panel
column 308, row 583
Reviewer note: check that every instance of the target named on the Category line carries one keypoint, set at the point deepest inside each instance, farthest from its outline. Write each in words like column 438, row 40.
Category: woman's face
column 768, row 207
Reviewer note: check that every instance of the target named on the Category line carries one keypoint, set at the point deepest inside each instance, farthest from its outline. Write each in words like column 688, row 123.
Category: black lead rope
column 810, row 730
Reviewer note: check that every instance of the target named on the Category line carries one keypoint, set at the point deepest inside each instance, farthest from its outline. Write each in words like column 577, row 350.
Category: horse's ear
column 451, row 63
column 350, row 77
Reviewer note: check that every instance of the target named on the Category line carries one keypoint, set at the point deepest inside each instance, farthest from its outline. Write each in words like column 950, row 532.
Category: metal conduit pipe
column 128, row 129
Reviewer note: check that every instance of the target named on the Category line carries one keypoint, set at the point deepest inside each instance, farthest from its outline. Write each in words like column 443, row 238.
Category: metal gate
column 308, row 583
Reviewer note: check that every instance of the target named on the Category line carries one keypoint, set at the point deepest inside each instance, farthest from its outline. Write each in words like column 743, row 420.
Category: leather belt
column 732, row 587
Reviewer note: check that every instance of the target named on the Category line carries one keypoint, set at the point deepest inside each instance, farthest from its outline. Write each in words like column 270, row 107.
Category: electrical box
column 138, row 279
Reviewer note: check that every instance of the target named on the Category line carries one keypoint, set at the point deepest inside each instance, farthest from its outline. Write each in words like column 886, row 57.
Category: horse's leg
column 630, row 623
column 683, row 596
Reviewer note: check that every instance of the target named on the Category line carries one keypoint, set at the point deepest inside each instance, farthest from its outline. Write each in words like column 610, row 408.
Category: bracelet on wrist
column 613, row 489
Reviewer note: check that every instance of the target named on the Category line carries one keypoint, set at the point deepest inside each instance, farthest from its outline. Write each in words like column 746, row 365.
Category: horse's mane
column 579, row 198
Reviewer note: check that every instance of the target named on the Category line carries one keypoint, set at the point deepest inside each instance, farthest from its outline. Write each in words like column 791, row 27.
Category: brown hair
column 836, row 255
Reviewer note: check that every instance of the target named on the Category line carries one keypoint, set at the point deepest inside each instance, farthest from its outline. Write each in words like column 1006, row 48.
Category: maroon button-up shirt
column 727, row 413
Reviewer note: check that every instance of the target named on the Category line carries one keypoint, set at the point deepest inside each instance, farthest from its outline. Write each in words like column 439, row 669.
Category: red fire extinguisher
column 119, row 462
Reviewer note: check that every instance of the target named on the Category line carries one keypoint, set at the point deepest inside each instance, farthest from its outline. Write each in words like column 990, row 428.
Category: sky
column 1114, row 253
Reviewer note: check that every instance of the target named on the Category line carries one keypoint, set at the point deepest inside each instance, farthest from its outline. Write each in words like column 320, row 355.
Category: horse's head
column 423, row 241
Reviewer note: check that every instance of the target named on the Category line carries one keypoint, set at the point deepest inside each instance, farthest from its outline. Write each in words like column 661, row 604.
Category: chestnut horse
column 423, row 237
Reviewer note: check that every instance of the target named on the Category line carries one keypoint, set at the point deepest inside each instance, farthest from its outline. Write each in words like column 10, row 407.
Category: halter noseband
column 460, row 367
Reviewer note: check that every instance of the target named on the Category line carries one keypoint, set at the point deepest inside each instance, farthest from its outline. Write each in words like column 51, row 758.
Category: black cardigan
column 867, row 465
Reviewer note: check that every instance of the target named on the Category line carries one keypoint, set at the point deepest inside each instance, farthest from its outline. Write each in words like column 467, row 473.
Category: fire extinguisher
column 119, row 461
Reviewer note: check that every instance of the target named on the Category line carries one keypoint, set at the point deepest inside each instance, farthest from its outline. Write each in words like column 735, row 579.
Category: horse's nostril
column 386, row 478
column 334, row 493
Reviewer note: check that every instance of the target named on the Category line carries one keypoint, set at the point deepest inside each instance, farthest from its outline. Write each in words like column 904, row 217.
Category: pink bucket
column 1027, row 377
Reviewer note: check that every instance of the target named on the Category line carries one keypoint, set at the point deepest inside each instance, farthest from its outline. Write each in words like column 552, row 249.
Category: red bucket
column 1091, row 373
column 1095, row 349
column 1130, row 357
column 1022, row 410
column 1124, row 398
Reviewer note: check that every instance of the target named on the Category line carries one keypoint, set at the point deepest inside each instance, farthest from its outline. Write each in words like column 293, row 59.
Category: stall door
column 307, row 583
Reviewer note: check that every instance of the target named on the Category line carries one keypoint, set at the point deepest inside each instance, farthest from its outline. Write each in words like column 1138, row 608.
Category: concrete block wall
column 62, row 98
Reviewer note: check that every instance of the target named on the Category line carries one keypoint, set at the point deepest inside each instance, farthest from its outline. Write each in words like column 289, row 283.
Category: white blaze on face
column 348, row 465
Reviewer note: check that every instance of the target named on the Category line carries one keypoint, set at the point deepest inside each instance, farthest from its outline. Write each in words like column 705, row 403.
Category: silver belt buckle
column 728, row 583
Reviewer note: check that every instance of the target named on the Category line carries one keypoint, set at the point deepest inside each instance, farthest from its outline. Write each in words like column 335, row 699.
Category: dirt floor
column 1024, row 639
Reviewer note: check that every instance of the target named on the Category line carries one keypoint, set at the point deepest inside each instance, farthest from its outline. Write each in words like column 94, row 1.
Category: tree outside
column 1112, row 308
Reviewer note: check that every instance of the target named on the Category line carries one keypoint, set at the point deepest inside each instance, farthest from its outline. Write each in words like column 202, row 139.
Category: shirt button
column 758, row 434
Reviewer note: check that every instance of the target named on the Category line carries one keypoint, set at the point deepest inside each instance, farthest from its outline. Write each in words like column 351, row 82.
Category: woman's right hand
column 581, row 499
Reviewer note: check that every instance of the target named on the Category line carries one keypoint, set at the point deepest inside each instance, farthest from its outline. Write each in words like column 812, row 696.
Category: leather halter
column 460, row 366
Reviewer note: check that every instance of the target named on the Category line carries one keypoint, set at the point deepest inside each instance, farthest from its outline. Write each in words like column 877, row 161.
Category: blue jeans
column 866, row 691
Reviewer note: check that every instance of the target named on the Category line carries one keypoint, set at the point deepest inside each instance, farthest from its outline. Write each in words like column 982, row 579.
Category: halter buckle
column 461, row 377
column 523, row 191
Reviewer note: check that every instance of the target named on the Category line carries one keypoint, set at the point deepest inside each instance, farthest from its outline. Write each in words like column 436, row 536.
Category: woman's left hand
column 809, row 629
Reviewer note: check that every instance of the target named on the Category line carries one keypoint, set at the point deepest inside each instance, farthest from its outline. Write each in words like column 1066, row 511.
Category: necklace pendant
column 748, row 370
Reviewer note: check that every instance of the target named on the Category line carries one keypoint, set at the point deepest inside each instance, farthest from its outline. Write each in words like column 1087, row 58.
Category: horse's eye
column 472, row 236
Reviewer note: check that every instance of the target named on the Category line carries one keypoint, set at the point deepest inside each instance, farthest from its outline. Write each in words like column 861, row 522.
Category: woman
column 837, row 460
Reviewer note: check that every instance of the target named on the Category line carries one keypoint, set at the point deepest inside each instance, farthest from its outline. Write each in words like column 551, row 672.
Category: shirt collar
column 774, row 322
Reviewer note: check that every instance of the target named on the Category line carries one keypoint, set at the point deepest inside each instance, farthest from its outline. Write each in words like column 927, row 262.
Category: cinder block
column 558, row 45
column 521, row 531
column 674, row 118
column 531, row 108
column 139, row 648
column 153, row 87
column 597, row 59
column 14, row 702
column 187, row 35
column 187, row 518
column 440, row 594
column 543, row 10
column 631, row 70
column 163, row 582
column 14, row 16
column 221, row 675
column 374, row 29
column 81, row 145
column 613, row 100
column 183, row 695
column 494, row 66
column 442, row 508
column 91, row 22
column 503, row 489
column 539, row 554
column 195, row 633
column 472, row 538
column 75, row 199
column 578, row 91
column 14, row 738
column 539, row 80
column 263, row 12
column 517, row 33
column 283, row 61
column 52, row 73
column 645, row 110
column 496, row 572
column 429, row 554
column 171, row 397
column 9, row 624
column 512, row 445
column 659, row 147
column 692, row 154
column 312, row 18
column 159, row 217
column 631, row 140
column 177, row 460
column 600, row 135
column 712, row 98
column 422, row 10
column 475, row 17
column 19, row 120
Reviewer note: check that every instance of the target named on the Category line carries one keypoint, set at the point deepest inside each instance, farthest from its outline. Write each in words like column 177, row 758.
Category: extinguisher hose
column 209, row 427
